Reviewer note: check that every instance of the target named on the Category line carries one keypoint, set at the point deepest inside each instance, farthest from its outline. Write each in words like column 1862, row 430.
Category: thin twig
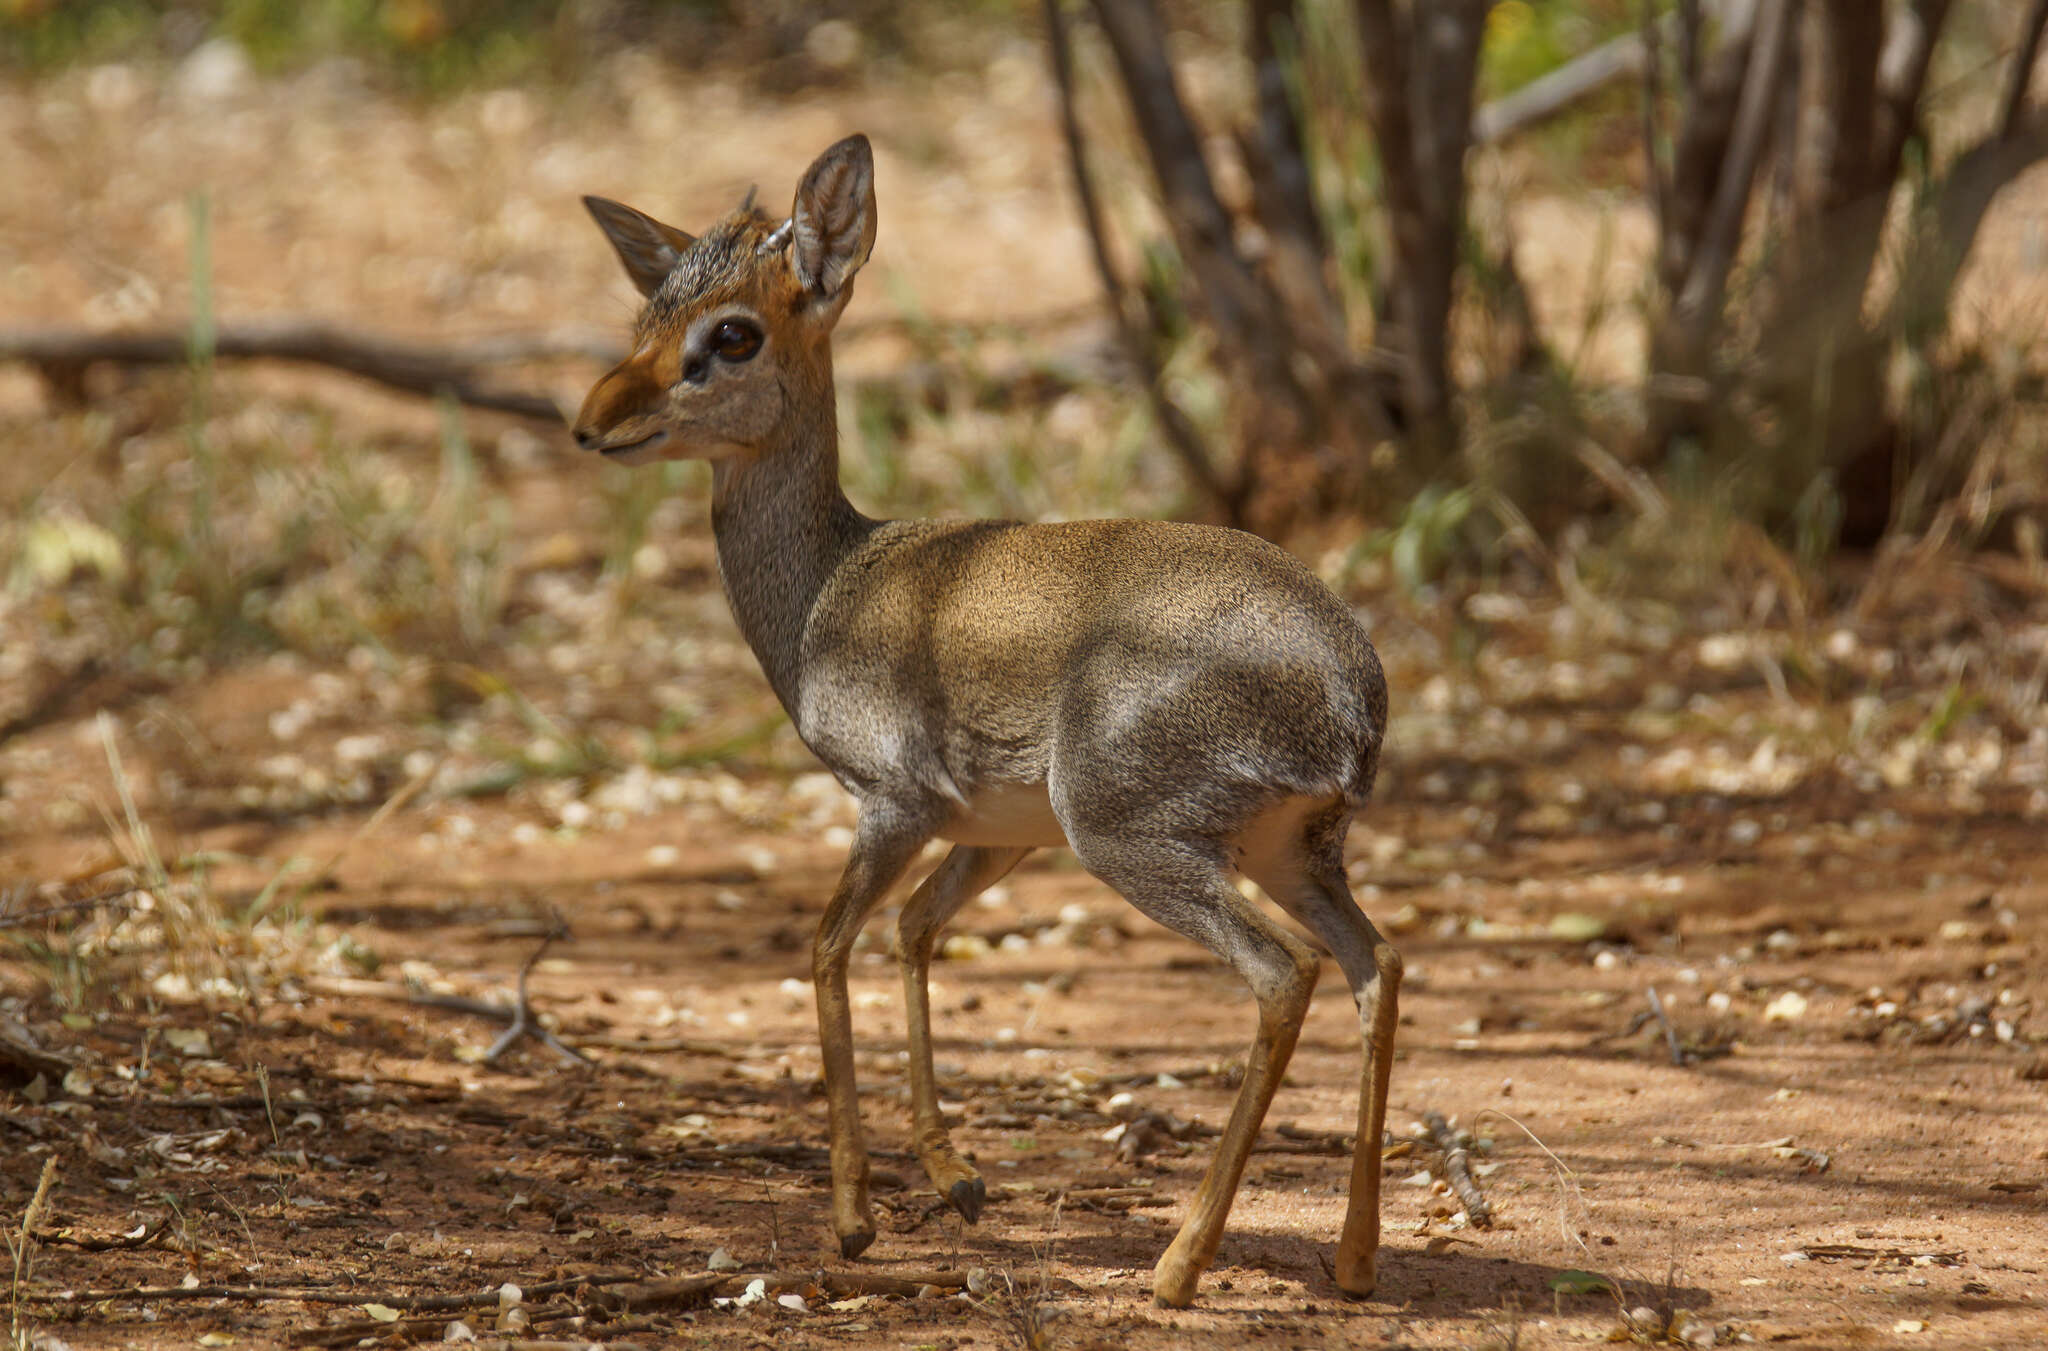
column 22, row 918
column 1664, row 1021
column 519, row 1016
column 1180, row 433
column 524, row 1022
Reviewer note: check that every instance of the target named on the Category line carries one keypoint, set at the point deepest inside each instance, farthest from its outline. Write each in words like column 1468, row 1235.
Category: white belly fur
column 1012, row 815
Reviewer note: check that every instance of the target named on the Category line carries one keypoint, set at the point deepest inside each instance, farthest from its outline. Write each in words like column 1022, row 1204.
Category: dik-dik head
column 735, row 332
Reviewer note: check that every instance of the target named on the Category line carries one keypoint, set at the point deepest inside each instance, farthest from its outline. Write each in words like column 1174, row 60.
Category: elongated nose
column 623, row 392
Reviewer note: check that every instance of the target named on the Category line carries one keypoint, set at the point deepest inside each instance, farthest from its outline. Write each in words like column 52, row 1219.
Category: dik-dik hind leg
column 1307, row 881
column 1177, row 885
column 964, row 874
column 884, row 843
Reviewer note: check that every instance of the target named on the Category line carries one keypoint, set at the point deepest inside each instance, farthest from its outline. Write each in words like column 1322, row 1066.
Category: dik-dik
column 1174, row 702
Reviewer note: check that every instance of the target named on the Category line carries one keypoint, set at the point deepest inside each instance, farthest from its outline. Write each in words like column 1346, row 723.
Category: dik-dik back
column 1175, row 702
column 1002, row 670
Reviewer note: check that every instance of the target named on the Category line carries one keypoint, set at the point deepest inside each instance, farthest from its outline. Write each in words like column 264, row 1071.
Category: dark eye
column 735, row 340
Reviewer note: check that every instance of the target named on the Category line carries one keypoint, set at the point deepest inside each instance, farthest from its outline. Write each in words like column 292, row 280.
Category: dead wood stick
column 524, row 1022
column 263, row 1294
column 519, row 1016
column 70, row 1238
column 17, row 1050
column 1664, row 1021
column 416, row 369
column 695, row 1291
column 1850, row 1252
column 428, row 1327
column 1302, row 1141
column 542, row 1344
column 1458, row 1170
column 666, row 1045
column 1551, row 95
column 16, row 919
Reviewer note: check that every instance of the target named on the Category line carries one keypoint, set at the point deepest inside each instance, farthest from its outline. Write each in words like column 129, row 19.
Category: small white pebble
column 1787, row 1007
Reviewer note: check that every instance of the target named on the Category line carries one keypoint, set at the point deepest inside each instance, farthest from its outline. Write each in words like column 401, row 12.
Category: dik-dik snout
column 701, row 386
column 622, row 415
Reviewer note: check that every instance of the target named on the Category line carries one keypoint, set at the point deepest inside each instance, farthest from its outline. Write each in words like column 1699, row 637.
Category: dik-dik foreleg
column 964, row 874
column 884, row 843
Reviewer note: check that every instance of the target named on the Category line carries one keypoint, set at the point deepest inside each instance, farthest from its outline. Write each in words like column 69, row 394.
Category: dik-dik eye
column 736, row 340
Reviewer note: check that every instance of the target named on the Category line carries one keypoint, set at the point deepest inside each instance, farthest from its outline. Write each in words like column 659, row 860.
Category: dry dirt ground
column 1839, row 890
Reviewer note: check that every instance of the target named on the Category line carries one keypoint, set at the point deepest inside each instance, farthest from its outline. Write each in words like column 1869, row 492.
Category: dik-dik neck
column 783, row 525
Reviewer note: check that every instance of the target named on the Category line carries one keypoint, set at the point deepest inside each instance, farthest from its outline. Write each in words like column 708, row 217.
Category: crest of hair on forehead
column 719, row 263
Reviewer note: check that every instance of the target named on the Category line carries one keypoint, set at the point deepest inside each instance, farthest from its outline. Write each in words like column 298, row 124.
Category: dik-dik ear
column 648, row 248
column 833, row 222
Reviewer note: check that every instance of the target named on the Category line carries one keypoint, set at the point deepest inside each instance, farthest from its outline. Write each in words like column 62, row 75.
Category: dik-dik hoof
column 854, row 1244
column 968, row 1196
column 1172, row 1286
column 1357, row 1272
column 1350, row 1291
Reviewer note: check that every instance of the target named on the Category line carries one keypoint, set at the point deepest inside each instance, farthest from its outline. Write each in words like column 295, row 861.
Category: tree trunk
column 1418, row 68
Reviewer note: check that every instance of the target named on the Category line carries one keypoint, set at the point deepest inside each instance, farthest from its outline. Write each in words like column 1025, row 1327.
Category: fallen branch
column 1557, row 92
column 543, row 1344
column 22, row 1054
column 524, row 1022
column 62, row 354
column 430, row 1327
column 148, row 1234
column 267, row 1294
column 690, row 1292
column 519, row 1017
column 604, row 1041
column 1458, row 1170
column 806, row 1158
column 1301, row 1141
column 19, row 919
column 1108, row 1200
column 1850, row 1252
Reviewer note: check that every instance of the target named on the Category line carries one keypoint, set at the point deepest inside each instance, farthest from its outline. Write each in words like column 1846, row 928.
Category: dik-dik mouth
column 633, row 448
